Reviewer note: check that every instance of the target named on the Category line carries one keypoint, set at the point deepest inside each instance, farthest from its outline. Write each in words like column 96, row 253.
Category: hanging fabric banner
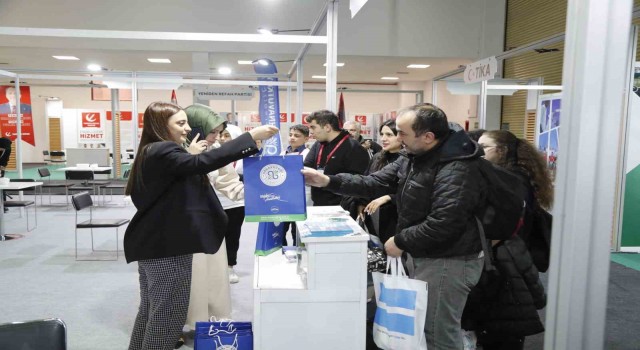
column 9, row 115
column 341, row 114
column 269, row 107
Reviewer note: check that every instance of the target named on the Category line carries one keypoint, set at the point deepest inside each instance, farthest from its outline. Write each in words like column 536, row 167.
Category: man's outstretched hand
column 315, row 178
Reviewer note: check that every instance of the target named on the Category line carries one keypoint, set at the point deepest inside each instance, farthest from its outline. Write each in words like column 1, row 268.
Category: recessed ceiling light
column 389, row 78
column 319, row 76
column 338, row 64
column 244, row 62
column 94, row 67
column 159, row 60
column 419, row 66
column 69, row 58
column 224, row 70
column 265, row 31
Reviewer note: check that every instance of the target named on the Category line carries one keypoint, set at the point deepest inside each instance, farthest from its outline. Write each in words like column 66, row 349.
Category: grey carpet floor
column 39, row 278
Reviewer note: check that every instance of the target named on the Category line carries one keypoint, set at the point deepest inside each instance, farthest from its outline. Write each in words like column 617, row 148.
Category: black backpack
column 540, row 238
column 502, row 216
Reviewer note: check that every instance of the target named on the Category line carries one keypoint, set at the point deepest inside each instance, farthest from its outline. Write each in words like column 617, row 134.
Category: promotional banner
column 269, row 108
column 91, row 129
column 9, row 114
column 225, row 93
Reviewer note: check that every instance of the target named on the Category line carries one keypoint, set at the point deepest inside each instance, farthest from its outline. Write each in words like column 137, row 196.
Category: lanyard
column 330, row 154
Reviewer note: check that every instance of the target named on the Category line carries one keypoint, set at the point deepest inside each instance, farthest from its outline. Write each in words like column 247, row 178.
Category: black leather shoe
column 179, row 343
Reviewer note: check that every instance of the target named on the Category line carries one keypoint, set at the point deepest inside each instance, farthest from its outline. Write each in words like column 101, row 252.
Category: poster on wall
column 9, row 115
column 548, row 127
column 91, row 128
column 630, row 228
column 367, row 124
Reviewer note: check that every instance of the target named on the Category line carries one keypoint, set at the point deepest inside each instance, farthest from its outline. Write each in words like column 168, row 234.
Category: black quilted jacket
column 433, row 220
column 506, row 301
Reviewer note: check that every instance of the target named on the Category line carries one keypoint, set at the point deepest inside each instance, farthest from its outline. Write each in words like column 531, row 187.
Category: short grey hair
column 355, row 123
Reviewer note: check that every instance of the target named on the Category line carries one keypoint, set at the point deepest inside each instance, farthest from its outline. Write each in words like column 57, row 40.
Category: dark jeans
column 232, row 236
column 293, row 232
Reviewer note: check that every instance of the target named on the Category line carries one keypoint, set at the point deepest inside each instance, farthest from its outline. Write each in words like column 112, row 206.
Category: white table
column 324, row 308
column 95, row 169
column 12, row 186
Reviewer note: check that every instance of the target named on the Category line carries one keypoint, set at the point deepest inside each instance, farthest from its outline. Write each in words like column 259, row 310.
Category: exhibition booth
column 583, row 127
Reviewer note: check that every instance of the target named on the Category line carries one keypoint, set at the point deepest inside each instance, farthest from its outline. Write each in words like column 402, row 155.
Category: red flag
column 174, row 99
column 341, row 117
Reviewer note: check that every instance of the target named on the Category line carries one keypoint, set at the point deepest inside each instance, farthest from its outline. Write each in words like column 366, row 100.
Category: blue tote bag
column 402, row 309
column 274, row 189
column 223, row 335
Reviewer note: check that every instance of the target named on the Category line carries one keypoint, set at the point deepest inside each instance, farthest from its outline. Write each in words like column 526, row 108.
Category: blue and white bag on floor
column 223, row 335
column 402, row 309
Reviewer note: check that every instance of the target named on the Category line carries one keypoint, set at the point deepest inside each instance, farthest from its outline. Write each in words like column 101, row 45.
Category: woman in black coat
column 502, row 308
column 178, row 215
column 388, row 216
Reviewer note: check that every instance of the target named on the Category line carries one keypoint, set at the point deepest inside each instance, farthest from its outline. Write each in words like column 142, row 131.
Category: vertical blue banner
column 269, row 107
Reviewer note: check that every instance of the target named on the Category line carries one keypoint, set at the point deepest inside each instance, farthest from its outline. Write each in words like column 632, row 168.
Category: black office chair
column 114, row 186
column 46, row 157
column 24, row 204
column 45, row 176
column 83, row 200
column 50, row 334
column 88, row 177
column 58, row 157
column 79, row 180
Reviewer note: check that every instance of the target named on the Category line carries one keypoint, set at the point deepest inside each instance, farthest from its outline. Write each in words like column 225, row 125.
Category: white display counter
column 324, row 308
column 98, row 156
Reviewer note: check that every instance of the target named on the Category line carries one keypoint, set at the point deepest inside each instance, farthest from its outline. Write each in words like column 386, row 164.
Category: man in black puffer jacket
column 438, row 188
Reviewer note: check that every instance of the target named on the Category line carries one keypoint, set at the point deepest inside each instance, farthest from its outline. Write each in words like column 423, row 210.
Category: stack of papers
column 328, row 227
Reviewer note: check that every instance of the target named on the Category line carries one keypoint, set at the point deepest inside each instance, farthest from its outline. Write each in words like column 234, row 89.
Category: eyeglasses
column 484, row 147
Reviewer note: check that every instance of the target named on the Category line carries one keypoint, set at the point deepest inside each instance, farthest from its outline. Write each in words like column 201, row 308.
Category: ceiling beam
column 180, row 36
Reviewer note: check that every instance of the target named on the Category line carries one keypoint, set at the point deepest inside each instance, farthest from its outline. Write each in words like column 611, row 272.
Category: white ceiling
column 382, row 40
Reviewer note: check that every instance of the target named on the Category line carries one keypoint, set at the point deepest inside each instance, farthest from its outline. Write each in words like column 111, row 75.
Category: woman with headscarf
column 235, row 210
column 210, row 294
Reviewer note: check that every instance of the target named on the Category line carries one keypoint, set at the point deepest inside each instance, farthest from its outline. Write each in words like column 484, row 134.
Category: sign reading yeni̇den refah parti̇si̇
column 481, row 70
column 225, row 93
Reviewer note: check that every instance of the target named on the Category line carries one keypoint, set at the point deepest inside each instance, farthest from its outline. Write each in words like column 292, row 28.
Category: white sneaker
column 233, row 276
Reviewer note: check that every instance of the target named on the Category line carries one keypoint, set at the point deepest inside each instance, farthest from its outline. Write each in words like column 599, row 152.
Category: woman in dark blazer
column 178, row 215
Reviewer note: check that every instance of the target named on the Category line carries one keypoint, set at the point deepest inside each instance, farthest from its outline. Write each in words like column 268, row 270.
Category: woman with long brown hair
column 178, row 215
column 388, row 216
column 502, row 307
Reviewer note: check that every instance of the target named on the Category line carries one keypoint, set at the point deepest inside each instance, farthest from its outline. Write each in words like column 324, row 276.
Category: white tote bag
column 402, row 309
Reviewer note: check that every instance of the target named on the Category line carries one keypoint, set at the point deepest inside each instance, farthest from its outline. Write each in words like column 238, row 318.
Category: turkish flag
column 174, row 98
